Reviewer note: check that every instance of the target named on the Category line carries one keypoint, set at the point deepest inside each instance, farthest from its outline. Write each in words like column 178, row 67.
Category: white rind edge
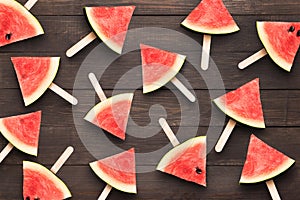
column 43, row 170
column 180, row 59
column 272, row 53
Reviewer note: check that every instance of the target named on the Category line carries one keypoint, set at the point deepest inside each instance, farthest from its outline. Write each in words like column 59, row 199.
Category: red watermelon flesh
column 112, row 114
column 118, row 171
column 159, row 67
column 111, row 24
column 22, row 131
column 40, row 183
column 35, row 75
column 17, row 23
column 243, row 104
column 281, row 41
column 187, row 161
column 211, row 17
column 263, row 162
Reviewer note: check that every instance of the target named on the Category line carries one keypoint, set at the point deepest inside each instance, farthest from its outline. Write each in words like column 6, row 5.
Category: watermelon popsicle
column 263, row 163
column 41, row 183
column 110, row 114
column 160, row 67
column 210, row 17
column 36, row 75
column 22, row 132
column 110, row 24
column 281, row 41
column 243, row 105
column 118, row 171
column 18, row 24
column 187, row 160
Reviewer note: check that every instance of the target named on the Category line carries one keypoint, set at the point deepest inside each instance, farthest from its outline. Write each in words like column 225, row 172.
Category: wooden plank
column 171, row 7
column 222, row 184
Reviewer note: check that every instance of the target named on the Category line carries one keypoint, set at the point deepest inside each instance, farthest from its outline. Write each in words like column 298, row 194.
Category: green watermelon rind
column 254, row 123
column 180, row 59
column 176, row 152
column 34, row 22
column 46, row 82
column 208, row 30
column 91, row 115
column 16, row 142
column 269, row 48
column 108, row 41
column 43, row 170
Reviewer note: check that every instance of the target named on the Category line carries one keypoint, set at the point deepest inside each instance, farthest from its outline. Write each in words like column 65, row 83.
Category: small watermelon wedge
column 281, row 40
column 263, row 162
column 187, row 161
column 118, row 171
column 22, row 131
column 17, row 23
column 35, row 75
column 159, row 67
column 112, row 114
column 111, row 24
column 243, row 104
column 211, row 17
column 41, row 183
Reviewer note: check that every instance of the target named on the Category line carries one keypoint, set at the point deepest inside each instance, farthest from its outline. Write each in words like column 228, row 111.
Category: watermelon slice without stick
column 263, row 163
column 22, row 132
column 210, row 17
column 41, row 183
column 36, row 75
column 109, row 23
column 281, row 41
column 118, row 171
column 242, row 105
column 17, row 23
column 160, row 67
column 187, row 160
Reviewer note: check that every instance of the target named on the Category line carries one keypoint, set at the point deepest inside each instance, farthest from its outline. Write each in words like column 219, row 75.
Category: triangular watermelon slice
column 243, row 104
column 281, row 40
column 211, row 17
column 118, row 171
column 41, row 183
column 112, row 114
column 17, row 23
column 111, row 24
column 187, row 161
column 263, row 162
column 35, row 75
column 159, row 67
column 22, row 131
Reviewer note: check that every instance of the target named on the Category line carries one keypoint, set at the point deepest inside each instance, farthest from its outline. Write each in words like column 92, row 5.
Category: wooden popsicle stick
column 273, row 190
column 255, row 57
column 183, row 90
column 62, row 159
column 29, row 4
column 6, row 151
column 64, row 94
column 168, row 131
column 205, row 51
column 97, row 87
column 225, row 135
column 105, row 192
column 81, row 44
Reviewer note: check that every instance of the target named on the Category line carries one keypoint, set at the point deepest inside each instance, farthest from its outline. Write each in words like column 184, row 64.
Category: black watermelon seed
column 292, row 29
column 298, row 33
column 27, row 198
column 8, row 36
column 198, row 170
column 36, row 198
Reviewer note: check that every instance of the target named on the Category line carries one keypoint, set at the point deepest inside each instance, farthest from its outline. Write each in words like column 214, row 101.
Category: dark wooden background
column 64, row 24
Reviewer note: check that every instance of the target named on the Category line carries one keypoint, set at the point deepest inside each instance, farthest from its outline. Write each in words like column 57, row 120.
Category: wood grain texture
column 65, row 24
